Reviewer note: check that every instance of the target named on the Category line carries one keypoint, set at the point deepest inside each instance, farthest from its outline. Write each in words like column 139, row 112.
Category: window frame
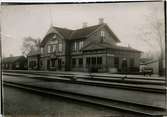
column 99, row 60
column 60, row 48
column 88, row 61
column 81, row 44
column 80, row 62
column 74, row 62
column 102, row 33
column 48, row 48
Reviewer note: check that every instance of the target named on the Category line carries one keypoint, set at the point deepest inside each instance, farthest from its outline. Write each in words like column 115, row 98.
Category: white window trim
column 41, row 50
column 49, row 49
column 102, row 33
column 60, row 48
column 80, row 45
column 54, row 47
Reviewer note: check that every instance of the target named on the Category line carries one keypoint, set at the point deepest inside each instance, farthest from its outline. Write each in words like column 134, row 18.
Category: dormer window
column 102, row 34
column 80, row 45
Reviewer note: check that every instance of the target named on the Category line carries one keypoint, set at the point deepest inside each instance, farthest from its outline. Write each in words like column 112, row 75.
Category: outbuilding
column 14, row 63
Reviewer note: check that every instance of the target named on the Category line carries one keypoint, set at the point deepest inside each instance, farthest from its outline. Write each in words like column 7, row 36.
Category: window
column 132, row 61
column 17, row 65
column 99, row 60
column 49, row 48
column 88, row 61
column 93, row 60
column 80, row 62
column 102, row 33
column 80, row 45
column 116, row 62
column 73, row 62
column 41, row 50
column 74, row 46
column 77, row 45
column 6, row 65
column 60, row 47
column 54, row 48
column 34, row 63
column 53, row 62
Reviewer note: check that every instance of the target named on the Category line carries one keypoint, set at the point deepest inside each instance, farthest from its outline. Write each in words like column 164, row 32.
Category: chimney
column 84, row 25
column 101, row 20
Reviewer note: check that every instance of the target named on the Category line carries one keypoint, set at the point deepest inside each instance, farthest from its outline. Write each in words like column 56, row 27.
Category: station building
column 88, row 48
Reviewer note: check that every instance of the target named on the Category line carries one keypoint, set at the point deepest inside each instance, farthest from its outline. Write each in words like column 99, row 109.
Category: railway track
column 145, row 88
column 53, row 73
column 129, row 80
column 144, row 109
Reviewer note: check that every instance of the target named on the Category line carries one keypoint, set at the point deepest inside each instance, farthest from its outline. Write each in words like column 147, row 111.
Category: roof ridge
column 88, row 27
column 63, row 28
column 84, row 29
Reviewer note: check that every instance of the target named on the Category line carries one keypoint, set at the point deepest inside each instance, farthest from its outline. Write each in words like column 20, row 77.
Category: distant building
column 153, row 63
column 88, row 48
column 14, row 63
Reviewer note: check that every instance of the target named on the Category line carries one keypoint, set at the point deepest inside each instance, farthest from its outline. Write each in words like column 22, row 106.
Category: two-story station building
column 90, row 47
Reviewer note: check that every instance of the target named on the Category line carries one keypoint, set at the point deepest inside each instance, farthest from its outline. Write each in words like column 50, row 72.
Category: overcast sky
column 127, row 20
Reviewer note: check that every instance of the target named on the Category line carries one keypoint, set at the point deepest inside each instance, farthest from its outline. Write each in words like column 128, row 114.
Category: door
column 59, row 64
column 124, row 66
column 48, row 64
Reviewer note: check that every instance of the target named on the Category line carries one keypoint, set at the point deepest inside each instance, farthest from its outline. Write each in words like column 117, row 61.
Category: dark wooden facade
column 92, row 48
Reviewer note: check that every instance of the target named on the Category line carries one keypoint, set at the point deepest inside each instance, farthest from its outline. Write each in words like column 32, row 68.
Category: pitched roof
column 75, row 34
column 104, row 45
column 64, row 32
column 12, row 59
column 83, row 32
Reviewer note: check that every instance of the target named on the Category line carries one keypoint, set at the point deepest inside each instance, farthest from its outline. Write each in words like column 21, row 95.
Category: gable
column 110, row 36
column 50, row 37
column 62, row 33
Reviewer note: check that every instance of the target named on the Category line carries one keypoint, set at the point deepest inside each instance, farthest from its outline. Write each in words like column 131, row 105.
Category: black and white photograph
column 104, row 59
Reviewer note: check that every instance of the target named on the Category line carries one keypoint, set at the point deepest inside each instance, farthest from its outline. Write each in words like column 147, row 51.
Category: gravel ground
column 21, row 103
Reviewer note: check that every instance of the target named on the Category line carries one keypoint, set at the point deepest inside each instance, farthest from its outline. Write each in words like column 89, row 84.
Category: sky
column 128, row 21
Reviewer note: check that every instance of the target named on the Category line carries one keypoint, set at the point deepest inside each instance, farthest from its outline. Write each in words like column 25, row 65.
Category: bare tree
column 154, row 36
column 30, row 44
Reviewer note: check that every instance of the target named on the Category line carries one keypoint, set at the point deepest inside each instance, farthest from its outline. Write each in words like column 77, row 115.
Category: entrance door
column 59, row 64
column 48, row 64
column 53, row 64
column 124, row 66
